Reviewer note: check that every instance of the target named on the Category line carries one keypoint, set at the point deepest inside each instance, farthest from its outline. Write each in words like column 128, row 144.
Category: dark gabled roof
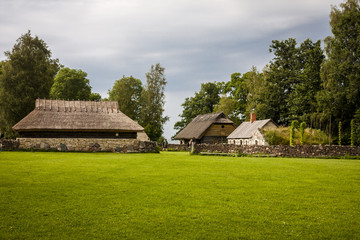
column 60, row 115
column 198, row 126
column 247, row 129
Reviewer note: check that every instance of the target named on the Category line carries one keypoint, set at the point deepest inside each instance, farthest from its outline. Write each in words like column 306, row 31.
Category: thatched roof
column 60, row 115
column 198, row 126
column 247, row 129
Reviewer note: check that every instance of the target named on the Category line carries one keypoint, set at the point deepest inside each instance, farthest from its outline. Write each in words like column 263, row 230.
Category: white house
column 248, row 133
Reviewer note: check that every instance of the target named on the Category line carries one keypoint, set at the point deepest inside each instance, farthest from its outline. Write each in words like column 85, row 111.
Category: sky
column 195, row 41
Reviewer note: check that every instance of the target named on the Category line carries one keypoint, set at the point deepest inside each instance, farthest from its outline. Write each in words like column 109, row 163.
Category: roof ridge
column 61, row 105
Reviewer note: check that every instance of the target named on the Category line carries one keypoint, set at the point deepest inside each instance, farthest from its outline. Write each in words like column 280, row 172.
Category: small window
column 222, row 126
column 256, row 142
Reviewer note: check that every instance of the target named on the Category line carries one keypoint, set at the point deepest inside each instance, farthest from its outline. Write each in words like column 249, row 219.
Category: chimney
column 252, row 117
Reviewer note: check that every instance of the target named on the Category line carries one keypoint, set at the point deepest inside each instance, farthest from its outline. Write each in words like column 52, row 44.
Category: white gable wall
column 256, row 139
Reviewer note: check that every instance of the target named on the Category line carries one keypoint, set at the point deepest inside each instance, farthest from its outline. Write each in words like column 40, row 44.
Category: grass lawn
column 176, row 196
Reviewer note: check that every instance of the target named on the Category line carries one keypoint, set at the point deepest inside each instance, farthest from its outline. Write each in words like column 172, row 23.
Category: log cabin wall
column 219, row 130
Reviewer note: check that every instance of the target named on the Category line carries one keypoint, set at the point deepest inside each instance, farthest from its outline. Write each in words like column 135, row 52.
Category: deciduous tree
column 71, row 84
column 127, row 92
column 341, row 71
column 152, row 103
column 202, row 102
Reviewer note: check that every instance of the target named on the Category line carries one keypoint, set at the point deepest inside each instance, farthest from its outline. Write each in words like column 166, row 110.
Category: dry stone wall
column 9, row 144
column 87, row 145
column 282, row 150
column 178, row 147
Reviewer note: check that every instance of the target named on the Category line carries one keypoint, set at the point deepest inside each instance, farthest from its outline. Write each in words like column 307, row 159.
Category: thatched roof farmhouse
column 207, row 128
column 77, row 119
column 248, row 133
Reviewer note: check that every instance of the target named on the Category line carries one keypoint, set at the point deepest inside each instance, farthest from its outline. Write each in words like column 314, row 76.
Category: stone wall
column 9, row 144
column 87, row 145
column 282, row 150
column 178, row 147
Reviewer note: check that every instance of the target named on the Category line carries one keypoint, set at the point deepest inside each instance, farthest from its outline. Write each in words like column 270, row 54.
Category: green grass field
column 176, row 196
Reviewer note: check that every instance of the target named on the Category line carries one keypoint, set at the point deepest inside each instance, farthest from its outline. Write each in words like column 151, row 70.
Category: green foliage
column 153, row 100
column 238, row 90
column 294, row 79
column 176, row 196
column 228, row 106
column 352, row 125
column 71, row 84
column 27, row 74
column 340, row 133
column 274, row 138
column 302, row 99
column 257, row 94
column 294, row 125
column 302, row 132
column 95, row 97
column 203, row 102
column 281, row 136
column 127, row 92
column 356, row 135
column 341, row 71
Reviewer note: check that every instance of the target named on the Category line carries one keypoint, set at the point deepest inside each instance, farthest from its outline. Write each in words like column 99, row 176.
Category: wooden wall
column 221, row 130
column 217, row 133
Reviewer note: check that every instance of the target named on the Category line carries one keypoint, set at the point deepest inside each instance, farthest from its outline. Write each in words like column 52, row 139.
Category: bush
column 281, row 136
column 276, row 137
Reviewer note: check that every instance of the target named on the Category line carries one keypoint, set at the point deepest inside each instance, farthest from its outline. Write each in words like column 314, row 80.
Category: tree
column 152, row 103
column 71, row 84
column 258, row 94
column 27, row 74
column 202, row 102
column 238, row 90
column 294, row 79
column 282, row 76
column 95, row 97
column 302, row 100
column 127, row 92
column 228, row 106
column 341, row 70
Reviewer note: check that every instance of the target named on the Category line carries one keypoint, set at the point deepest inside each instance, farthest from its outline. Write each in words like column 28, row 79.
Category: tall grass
column 281, row 136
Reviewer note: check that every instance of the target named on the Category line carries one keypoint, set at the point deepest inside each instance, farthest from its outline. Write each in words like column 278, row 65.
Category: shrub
column 352, row 136
column 294, row 125
column 339, row 140
column 276, row 136
column 302, row 132
column 281, row 136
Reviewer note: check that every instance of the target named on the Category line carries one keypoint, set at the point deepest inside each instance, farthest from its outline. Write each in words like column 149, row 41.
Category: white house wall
column 256, row 139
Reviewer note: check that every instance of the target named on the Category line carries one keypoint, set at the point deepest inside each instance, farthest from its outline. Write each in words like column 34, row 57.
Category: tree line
column 30, row 72
column 303, row 82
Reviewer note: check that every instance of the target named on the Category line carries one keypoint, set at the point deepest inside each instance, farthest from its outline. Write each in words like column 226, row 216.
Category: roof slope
column 197, row 127
column 60, row 115
column 247, row 129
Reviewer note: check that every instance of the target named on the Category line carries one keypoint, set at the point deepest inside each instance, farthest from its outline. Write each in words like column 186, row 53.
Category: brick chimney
column 252, row 117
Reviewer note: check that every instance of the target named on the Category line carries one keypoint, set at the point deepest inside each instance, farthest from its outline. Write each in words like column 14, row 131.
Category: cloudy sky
column 196, row 41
